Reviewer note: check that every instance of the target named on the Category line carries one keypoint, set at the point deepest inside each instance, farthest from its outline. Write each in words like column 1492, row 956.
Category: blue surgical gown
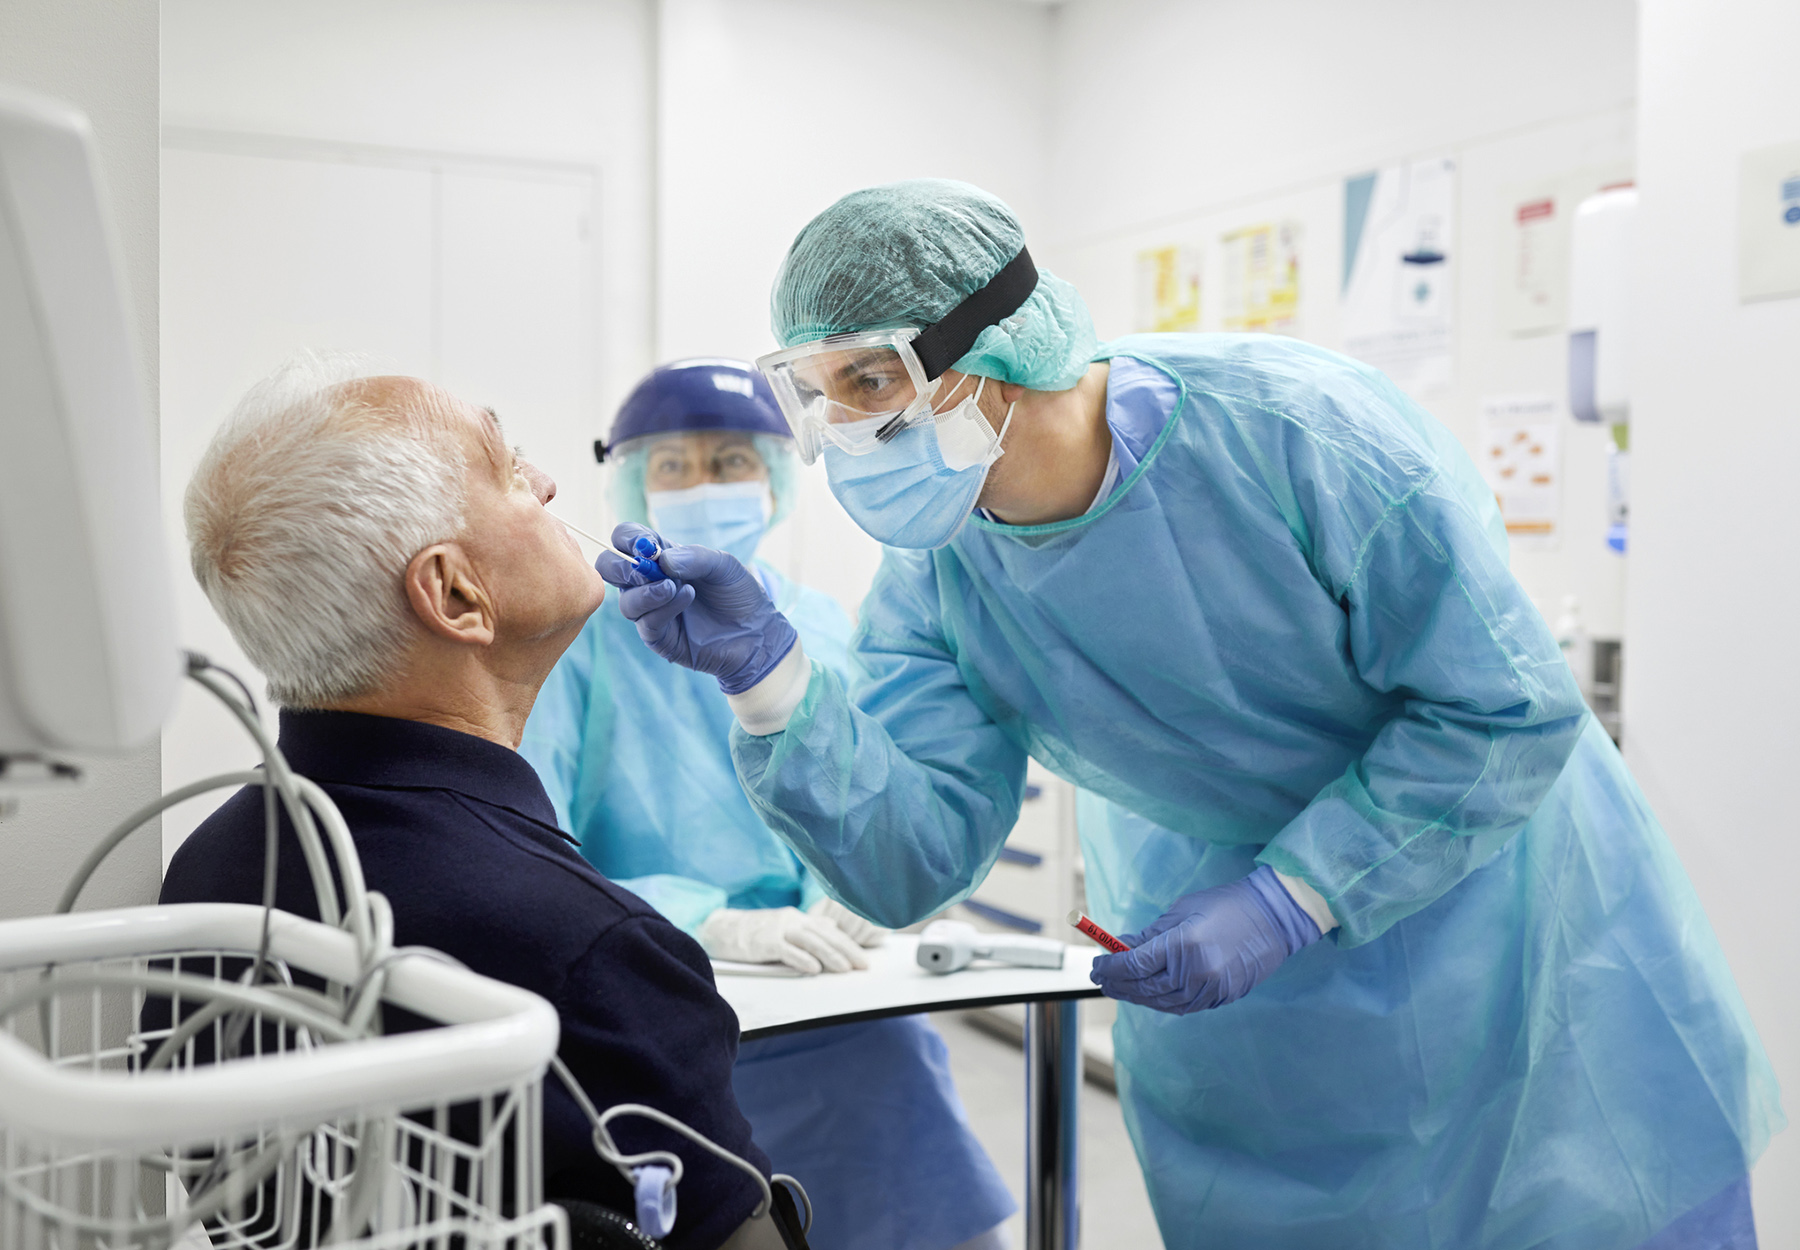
column 1290, row 636
column 635, row 755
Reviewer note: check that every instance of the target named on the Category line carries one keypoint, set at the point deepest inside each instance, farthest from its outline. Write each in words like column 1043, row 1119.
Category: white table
column 768, row 1004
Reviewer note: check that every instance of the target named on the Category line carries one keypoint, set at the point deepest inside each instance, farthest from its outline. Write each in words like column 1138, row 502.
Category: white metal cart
column 116, row 1133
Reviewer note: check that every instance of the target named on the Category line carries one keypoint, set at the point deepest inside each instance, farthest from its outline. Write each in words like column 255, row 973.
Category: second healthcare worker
column 1254, row 597
column 635, row 754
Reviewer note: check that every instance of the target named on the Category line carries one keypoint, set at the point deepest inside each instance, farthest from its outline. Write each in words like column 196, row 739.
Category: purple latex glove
column 710, row 613
column 1211, row 948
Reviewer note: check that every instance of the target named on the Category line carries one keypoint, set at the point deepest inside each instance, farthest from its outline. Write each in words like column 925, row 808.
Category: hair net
column 906, row 254
column 634, row 457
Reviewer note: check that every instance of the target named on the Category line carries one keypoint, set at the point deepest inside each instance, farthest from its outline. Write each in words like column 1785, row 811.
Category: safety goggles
column 857, row 391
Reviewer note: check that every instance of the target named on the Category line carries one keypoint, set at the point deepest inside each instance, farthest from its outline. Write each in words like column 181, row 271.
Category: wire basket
column 120, row 1129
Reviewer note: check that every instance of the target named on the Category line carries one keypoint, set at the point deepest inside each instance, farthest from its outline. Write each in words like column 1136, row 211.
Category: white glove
column 862, row 932
column 784, row 935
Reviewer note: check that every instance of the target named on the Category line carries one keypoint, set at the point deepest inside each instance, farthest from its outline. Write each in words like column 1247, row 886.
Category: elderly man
column 386, row 560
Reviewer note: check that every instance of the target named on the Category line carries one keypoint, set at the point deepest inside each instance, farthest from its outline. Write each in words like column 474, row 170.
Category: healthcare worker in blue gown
column 1412, row 963
column 635, row 754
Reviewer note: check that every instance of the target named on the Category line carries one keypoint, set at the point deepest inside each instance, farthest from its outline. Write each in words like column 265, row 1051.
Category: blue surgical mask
column 917, row 489
column 728, row 516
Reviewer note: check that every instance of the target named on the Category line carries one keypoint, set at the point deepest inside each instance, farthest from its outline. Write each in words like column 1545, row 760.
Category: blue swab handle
column 647, row 552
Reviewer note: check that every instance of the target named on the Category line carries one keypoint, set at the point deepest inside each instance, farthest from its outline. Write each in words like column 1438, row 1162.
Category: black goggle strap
column 942, row 345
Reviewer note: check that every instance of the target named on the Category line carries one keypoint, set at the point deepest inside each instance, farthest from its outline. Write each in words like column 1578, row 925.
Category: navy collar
column 383, row 752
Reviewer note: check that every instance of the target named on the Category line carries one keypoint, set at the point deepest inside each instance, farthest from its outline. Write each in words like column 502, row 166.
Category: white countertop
column 772, row 1000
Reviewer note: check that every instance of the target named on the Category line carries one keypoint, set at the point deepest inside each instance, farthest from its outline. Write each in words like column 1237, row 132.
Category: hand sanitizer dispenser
column 1600, row 300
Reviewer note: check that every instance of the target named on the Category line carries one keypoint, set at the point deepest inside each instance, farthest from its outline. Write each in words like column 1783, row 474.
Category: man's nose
column 542, row 484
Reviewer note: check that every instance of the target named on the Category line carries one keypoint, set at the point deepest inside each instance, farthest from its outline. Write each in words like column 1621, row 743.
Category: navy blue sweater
column 459, row 835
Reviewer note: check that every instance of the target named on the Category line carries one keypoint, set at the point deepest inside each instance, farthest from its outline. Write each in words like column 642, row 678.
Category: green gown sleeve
column 899, row 802
column 1491, row 711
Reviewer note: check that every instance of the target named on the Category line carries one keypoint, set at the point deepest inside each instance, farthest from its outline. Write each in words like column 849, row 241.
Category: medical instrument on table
column 713, row 616
column 951, row 945
column 1111, row 943
column 88, row 660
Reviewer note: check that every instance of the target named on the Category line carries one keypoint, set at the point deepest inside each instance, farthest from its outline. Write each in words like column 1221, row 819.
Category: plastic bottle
column 1577, row 646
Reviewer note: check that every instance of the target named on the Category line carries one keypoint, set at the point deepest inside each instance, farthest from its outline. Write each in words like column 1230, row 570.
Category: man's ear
column 447, row 599
column 1010, row 392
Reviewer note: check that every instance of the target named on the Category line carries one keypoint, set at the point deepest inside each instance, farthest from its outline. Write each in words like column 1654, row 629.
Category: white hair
column 304, row 513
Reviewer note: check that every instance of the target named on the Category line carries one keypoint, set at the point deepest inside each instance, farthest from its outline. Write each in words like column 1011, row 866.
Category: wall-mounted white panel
column 101, row 56
column 1769, row 222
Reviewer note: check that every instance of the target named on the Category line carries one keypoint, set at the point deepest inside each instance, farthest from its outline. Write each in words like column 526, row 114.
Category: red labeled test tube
column 1094, row 931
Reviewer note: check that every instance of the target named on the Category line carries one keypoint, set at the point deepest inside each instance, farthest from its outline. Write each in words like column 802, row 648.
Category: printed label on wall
column 1397, row 278
column 1521, row 458
column 1262, row 276
column 1769, row 223
column 1168, row 289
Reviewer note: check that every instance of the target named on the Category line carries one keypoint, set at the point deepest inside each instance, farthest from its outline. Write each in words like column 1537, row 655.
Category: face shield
column 861, row 390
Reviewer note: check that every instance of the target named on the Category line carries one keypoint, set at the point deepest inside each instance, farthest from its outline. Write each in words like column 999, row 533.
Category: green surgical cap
column 906, row 254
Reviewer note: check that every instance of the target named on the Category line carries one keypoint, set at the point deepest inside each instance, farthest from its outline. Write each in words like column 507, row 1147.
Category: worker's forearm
column 897, row 837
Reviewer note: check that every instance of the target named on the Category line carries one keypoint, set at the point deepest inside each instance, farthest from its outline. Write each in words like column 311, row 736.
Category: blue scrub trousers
column 868, row 1119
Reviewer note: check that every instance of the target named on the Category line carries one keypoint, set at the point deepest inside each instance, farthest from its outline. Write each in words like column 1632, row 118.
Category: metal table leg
column 1052, row 1125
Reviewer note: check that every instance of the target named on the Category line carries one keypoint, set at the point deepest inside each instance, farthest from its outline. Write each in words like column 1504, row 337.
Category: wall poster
column 1262, row 276
column 1521, row 459
column 1168, row 289
column 1397, row 294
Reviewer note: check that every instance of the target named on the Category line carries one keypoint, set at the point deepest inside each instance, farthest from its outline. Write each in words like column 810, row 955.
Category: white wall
column 100, row 55
column 1251, row 112
column 315, row 151
column 1713, row 671
column 461, row 190
column 544, row 81
column 769, row 110
column 1165, row 105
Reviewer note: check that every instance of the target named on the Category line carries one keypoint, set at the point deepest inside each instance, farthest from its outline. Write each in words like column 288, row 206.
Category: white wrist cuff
column 767, row 706
column 1311, row 901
